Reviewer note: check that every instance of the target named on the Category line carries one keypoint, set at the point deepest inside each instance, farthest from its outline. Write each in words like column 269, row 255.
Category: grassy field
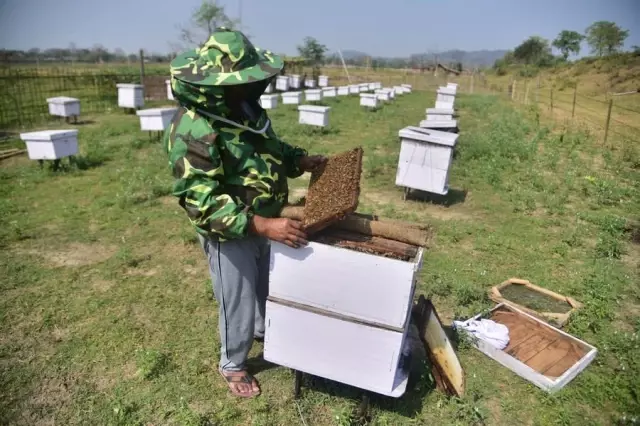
column 107, row 317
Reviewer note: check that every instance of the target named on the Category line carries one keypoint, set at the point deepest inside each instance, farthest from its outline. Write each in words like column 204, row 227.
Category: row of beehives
column 316, row 115
column 426, row 152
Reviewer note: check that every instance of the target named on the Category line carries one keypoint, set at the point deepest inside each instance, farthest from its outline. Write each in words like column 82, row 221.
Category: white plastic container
column 323, row 81
column 169, row 92
column 156, row 119
column 63, row 106
column 294, row 81
column 329, row 92
column 130, row 95
column 439, row 114
column 291, row 98
column 425, row 159
column 383, row 95
column 269, row 101
column 354, row 89
column 314, row 115
column 364, row 87
column 51, row 144
column 369, row 100
column 343, row 90
column 313, row 94
column 282, row 83
column 324, row 327
column 310, row 83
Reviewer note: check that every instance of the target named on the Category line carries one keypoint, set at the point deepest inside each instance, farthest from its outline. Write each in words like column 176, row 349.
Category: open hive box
column 537, row 352
column 540, row 302
column 340, row 307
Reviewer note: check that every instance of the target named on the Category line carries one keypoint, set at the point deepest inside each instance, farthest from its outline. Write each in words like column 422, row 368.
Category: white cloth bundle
column 491, row 332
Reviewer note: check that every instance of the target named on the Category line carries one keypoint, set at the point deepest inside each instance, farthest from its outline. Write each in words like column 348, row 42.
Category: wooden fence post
column 551, row 98
column 575, row 94
column 606, row 126
column 526, row 93
column 141, row 66
column 513, row 90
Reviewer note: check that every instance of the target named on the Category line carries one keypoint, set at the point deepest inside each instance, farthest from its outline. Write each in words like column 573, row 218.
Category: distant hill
column 476, row 58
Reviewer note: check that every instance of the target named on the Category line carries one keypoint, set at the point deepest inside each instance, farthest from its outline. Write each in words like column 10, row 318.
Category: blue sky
column 377, row 27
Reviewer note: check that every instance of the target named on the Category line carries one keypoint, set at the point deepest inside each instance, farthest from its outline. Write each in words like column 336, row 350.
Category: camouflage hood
column 199, row 76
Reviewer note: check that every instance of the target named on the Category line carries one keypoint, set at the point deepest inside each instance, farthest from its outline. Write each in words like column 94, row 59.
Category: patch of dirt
column 493, row 405
column 50, row 395
column 60, row 334
column 142, row 272
column 334, row 190
column 74, row 254
column 101, row 285
column 107, row 380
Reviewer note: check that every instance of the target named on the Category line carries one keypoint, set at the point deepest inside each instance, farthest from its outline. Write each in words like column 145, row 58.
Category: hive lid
column 334, row 190
column 129, row 86
column 48, row 135
column 157, row 111
column 440, row 111
column 429, row 135
column 314, row 108
column 62, row 100
column 313, row 91
column 292, row 94
column 367, row 95
column 438, row 124
column 446, row 91
column 274, row 96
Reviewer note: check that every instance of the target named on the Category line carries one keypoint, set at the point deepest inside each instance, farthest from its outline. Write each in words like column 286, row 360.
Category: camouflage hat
column 227, row 58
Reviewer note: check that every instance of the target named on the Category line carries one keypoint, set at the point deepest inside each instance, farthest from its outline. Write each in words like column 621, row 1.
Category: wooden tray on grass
column 540, row 302
column 538, row 352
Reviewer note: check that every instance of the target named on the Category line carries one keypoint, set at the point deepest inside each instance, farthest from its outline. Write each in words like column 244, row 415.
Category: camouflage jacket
column 225, row 174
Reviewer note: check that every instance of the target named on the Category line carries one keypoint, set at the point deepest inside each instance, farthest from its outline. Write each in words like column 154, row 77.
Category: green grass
column 106, row 314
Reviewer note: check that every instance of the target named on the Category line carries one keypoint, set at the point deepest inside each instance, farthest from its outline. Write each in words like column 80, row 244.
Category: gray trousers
column 240, row 274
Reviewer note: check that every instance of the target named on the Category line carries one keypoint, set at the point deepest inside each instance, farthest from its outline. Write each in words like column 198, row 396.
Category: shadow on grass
column 84, row 122
column 453, row 197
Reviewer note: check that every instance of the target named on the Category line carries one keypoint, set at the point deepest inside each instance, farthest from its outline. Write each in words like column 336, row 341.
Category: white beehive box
column 294, row 81
column 63, row 106
column 446, row 94
column 399, row 90
column 443, row 105
column 354, row 89
column 169, row 91
column 323, row 81
column 348, row 321
column 372, row 86
column 282, row 83
column 329, row 92
column 313, row 94
column 343, row 90
column 407, row 87
column 453, row 86
column 51, row 144
column 269, row 101
column 444, row 125
column 130, row 95
column 377, row 85
column 364, row 87
column 310, row 83
column 314, row 115
column 383, row 95
column 392, row 92
column 156, row 119
column 425, row 159
column 291, row 98
column 439, row 114
column 369, row 100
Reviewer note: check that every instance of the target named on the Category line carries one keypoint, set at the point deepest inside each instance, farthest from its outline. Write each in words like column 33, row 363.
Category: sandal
column 233, row 378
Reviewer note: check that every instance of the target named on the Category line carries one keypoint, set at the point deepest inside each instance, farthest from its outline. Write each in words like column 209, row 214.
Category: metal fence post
column 606, row 126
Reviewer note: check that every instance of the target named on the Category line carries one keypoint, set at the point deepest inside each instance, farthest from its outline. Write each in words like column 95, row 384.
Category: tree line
column 604, row 38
